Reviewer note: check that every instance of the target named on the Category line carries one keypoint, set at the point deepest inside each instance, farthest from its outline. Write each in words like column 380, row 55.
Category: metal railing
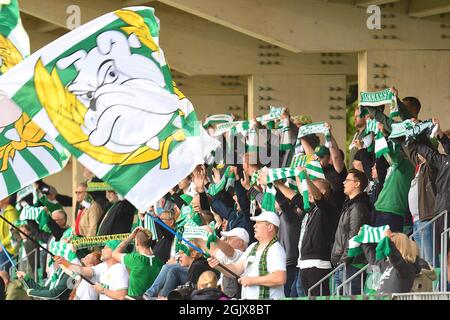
column 444, row 258
column 24, row 260
column 327, row 278
column 432, row 223
column 349, row 281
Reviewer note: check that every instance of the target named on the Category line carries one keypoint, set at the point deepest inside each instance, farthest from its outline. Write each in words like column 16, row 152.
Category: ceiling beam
column 315, row 26
column 366, row 3
column 130, row 3
column 195, row 46
column 420, row 8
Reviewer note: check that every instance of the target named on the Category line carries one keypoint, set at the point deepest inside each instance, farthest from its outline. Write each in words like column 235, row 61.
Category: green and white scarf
column 62, row 249
column 312, row 128
column 216, row 119
column 409, row 129
column 381, row 146
column 380, row 98
column 96, row 241
column 226, row 182
column 268, row 201
column 233, row 128
column 149, row 224
column 285, row 135
column 264, row 292
column 274, row 114
column 369, row 234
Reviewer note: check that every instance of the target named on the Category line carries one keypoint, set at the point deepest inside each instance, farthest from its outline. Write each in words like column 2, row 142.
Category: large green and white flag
column 14, row 41
column 105, row 92
column 27, row 153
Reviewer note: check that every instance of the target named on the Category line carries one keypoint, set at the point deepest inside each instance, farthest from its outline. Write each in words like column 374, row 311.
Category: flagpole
column 176, row 234
column 20, row 231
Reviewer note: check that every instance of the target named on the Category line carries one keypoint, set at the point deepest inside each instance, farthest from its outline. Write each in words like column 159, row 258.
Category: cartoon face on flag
column 105, row 92
column 113, row 95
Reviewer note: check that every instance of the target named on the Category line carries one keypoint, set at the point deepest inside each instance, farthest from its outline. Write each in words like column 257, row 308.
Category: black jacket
column 163, row 246
column 441, row 163
column 426, row 187
column 321, row 225
column 355, row 213
column 118, row 219
column 289, row 230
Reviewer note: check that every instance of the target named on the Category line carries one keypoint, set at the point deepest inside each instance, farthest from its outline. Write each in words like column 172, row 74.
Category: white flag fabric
column 105, row 92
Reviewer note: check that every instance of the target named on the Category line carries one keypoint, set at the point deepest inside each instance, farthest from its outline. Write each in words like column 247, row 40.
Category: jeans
column 355, row 283
column 4, row 261
column 292, row 272
column 299, row 286
column 394, row 221
column 169, row 278
column 424, row 240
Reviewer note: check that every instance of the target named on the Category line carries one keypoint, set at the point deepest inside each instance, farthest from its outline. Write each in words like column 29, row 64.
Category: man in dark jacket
column 355, row 213
column 316, row 237
column 421, row 201
column 118, row 218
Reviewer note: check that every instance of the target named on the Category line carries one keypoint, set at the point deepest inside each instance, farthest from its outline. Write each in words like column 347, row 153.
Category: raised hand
column 216, row 175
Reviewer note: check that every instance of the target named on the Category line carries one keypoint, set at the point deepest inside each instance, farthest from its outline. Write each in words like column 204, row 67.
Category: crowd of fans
column 250, row 253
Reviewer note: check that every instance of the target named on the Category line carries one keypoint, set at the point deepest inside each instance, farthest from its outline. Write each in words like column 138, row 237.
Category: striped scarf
column 381, row 146
column 370, row 234
column 96, row 241
column 63, row 249
column 226, row 182
column 233, row 128
column 148, row 224
column 216, row 119
column 316, row 127
column 268, row 201
column 264, row 292
column 380, row 98
column 274, row 114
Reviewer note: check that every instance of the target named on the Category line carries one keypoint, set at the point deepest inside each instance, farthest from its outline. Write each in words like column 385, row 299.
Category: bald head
column 60, row 217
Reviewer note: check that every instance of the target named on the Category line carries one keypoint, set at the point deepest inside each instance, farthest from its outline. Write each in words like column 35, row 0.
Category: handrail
column 444, row 258
column 25, row 259
column 342, row 265
column 426, row 225
column 349, row 280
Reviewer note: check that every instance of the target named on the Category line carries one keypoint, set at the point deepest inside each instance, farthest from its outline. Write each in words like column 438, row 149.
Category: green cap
column 113, row 244
column 186, row 198
column 321, row 151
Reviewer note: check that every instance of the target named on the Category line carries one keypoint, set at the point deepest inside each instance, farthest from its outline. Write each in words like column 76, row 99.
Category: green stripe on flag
column 124, row 178
column 34, row 163
column 9, row 17
column 11, row 181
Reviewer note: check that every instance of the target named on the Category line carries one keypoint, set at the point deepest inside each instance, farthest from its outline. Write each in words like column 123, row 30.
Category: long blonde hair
column 207, row 279
column 407, row 247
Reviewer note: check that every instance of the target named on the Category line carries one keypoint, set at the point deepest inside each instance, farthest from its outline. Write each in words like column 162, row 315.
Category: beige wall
column 305, row 95
column 424, row 74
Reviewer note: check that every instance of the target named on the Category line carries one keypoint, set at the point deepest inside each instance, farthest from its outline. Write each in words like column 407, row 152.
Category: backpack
column 424, row 279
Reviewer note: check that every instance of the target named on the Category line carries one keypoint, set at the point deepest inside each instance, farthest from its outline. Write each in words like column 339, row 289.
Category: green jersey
column 143, row 271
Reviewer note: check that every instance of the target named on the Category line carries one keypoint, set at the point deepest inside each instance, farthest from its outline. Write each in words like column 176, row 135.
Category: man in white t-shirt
column 84, row 291
column 228, row 251
column 262, row 267
column 110, row 276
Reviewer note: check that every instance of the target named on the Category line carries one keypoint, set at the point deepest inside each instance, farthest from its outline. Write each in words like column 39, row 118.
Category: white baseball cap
column 268, row 216
column 241, row 233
